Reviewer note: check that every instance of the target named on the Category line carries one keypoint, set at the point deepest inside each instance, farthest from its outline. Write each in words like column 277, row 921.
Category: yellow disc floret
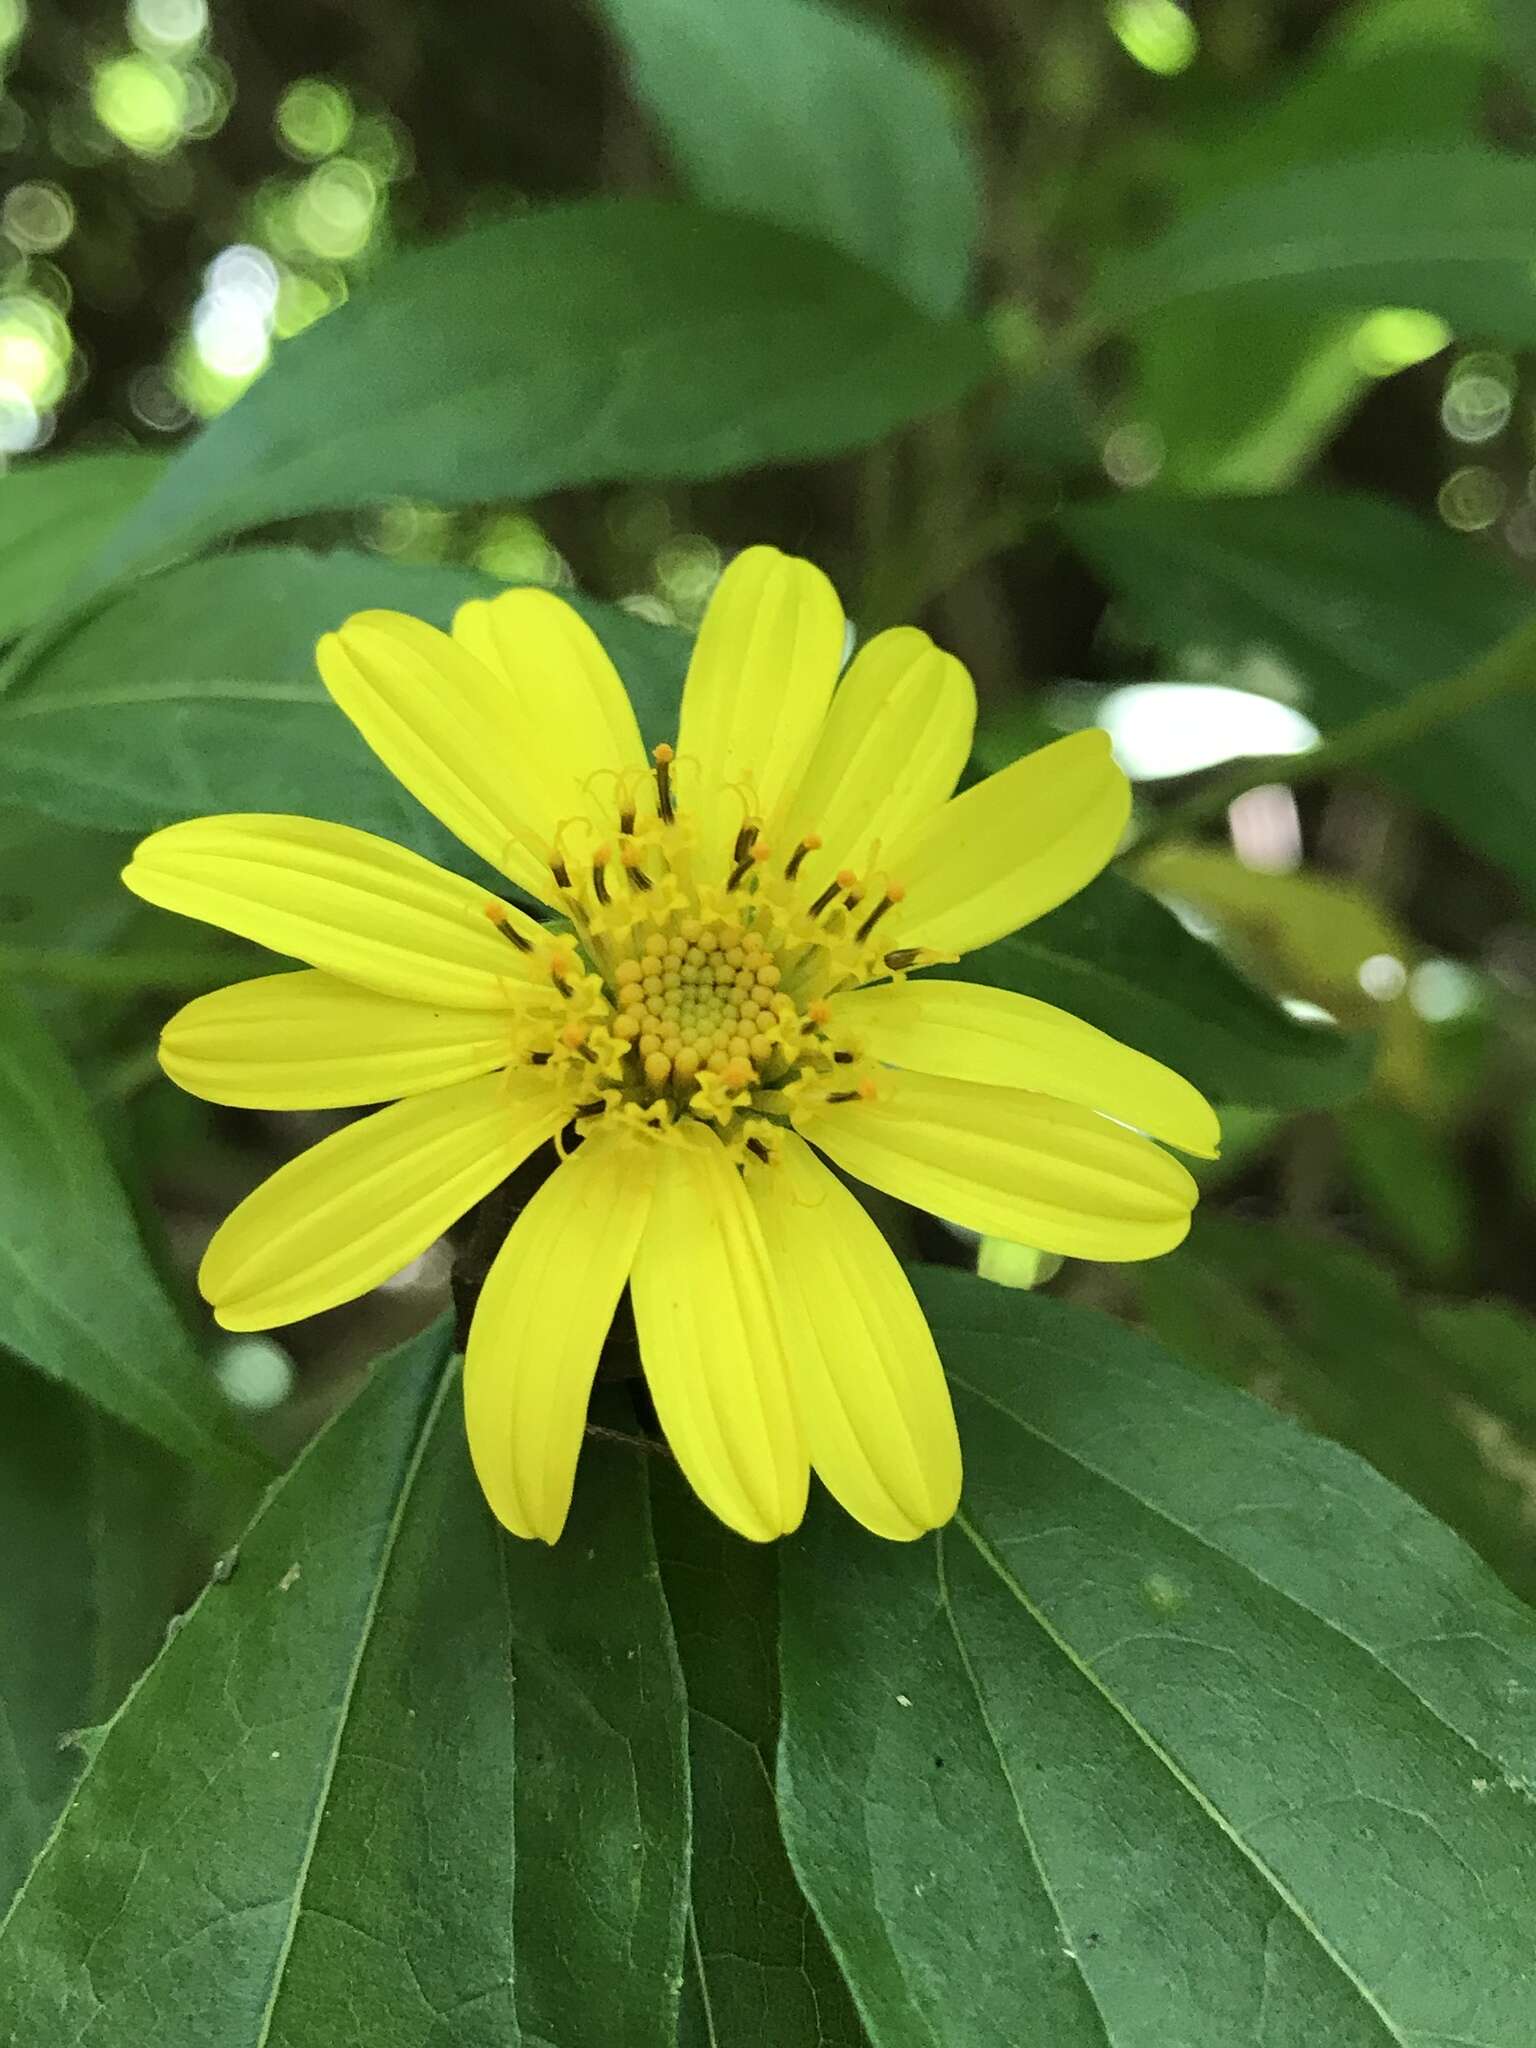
column 686, row 994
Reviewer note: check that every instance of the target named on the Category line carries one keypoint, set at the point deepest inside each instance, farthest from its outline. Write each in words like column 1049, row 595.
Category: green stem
column 125, row 972
column 925, row 571
column 1508, row 669
column 125, row 1077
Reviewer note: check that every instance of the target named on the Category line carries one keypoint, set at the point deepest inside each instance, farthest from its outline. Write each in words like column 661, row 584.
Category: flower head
column 729, row 980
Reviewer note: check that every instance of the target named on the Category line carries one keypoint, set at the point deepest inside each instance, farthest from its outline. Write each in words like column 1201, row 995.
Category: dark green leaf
column 1046, row 424
column 1407, row 1172
column 196, row 692
column 1450, row 230
column 1243, row 395
column 54, row 515
column 605, row 339
column 1326, row 1332
column 96, row 964
column 1517, row 31
column 760, row 1974
column 77, row 1295
column 398, row 1779
column 62, row 894
column 1493, row 1346
column 90, row 1531
column 793, row 112
column 1115, row 957
column 1360, row 603
column 1189, row 1731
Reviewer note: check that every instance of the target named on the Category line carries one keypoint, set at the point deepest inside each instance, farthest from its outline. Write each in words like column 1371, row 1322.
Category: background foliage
column 1173, row 369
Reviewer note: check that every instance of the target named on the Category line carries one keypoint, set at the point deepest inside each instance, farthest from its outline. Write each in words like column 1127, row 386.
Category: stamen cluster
column 683, row 994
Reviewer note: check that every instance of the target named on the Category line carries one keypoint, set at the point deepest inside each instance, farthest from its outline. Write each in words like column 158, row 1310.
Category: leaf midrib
column 206, row 521
column 701, row 1977
column 46, row 703
column 386, row 1556
column 1180, row 1777
column 1295, row 256
column 1205, row 1543
column 1069, row 1942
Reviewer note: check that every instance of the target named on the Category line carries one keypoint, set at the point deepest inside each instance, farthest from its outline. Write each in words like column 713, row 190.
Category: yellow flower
column 726, row 983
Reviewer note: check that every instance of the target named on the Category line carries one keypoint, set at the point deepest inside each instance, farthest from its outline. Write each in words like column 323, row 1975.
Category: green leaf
column 1517, row 31
column 794, row 112
column 196, row 692
column 1408, row 1174
column 1451, row 231
column 1244, row 395
column 78, row 1298
column 54, row 515
column 604, row 340
column 1326, row 1332
column 94, row 962
column 1117, row 958
column 1243, row 400
column 1188, row 1731
column 90, row 1530
column 759, row 1969
column 1493, row 1346
column 398, row 1779
column 1358, row 604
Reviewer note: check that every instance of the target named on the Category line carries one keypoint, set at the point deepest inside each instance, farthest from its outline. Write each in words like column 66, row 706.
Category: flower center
column 690, row 987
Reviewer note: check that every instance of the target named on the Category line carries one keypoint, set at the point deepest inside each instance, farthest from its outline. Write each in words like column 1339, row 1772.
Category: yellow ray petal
column 447, row 728
column 570, row 715
column 540, row 1325
column 1013, row 1165
column 710, row 1342
column 866, row 1377
column 309, row 1041
column 363, row 1203
column 758, row 687
column 1011, row 848
column 343, row 900
column 969, row 1033
column 890, row 752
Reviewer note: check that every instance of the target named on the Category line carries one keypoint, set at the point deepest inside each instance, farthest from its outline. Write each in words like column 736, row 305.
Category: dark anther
column 599, row 881
column 828, row 895
column 561, row 872
column 507, row 932
column 589, row 1109
column 793, row 865
column 844, row 1059
column 759, row 1150
column 874, row 917
column 903, row 957
column 538, row 1059
column 627, row 820
column 639, row 879
column 663, row 759
column 846, row 1095
column 744, row 841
